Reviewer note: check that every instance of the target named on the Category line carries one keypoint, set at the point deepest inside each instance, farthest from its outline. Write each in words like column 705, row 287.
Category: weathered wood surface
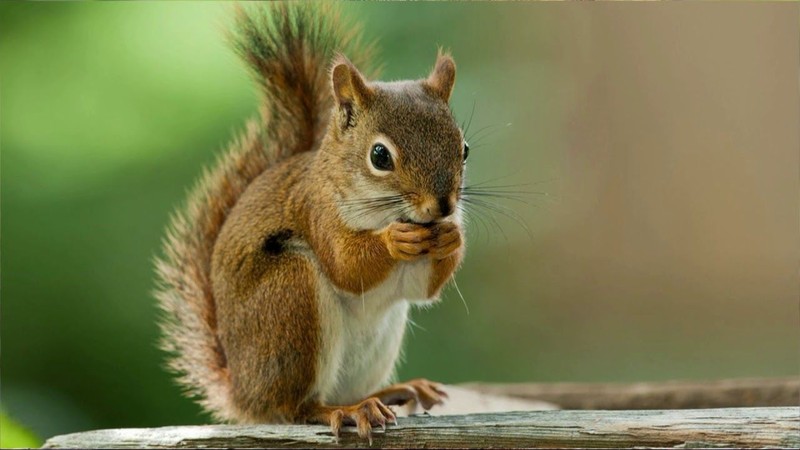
column 774, row 427
column 462, row 401
column 662, row 395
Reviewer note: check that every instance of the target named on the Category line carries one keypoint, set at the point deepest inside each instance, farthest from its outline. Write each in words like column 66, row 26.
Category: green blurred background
column 664, row 136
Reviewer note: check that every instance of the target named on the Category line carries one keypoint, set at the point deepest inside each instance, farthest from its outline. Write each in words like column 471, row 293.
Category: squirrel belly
column 360, row 345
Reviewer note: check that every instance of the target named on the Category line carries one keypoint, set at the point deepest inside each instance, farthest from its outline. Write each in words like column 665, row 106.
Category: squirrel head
column 399, row 144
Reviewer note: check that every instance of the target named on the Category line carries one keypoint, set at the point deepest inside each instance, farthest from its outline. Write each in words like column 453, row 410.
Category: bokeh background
column 659, row 240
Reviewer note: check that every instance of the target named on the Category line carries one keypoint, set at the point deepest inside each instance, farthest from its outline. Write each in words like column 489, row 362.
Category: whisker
column 372, row 206
column 490, row 130
column 533, row 183
column 496, row 224
column 472, row 220
column 395, row 211
column 493, row 179
column 477, row 133
column 413, row 325
column 483, row 184
column 506, row 191
column 482, row 217
column 459, row 294
column 371, row 199
column 471, row 114
column 486, row 214
column 363, row 211
column 514, row 198
column 503, row 191
column 507, row 195
column 500, row 209
column 390, row 209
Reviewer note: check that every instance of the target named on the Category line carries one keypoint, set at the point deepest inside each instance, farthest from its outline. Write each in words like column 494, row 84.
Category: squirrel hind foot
column 417, row 392
column 365, row 415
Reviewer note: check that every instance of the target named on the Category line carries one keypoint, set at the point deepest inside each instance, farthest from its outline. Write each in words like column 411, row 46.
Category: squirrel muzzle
column 435, row 208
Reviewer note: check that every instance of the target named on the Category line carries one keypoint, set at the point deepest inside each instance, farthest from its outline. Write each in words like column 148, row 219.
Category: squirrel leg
column 369, row 413
column 420, row 392
column 358, row 261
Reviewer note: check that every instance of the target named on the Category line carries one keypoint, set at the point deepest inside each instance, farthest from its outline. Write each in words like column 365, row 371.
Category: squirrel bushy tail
column 288, row 47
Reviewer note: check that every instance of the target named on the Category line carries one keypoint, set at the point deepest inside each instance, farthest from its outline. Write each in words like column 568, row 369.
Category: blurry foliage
column 109, row 111
column 14, row 435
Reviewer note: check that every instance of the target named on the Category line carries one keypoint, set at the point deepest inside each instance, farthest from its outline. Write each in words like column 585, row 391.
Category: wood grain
column 774, row 427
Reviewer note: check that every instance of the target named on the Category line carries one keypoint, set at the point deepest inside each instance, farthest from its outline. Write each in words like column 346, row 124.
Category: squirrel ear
column 349, row 88
column 443, row 76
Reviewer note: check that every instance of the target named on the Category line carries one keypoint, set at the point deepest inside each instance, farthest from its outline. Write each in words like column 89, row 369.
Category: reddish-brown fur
column 245, row 260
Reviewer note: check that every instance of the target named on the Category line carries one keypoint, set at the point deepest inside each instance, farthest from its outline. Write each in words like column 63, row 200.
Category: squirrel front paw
column 408, row 241
column 447, row 240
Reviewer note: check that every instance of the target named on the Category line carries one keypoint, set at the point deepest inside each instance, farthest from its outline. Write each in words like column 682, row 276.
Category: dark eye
column 380, row 157
column 466, row 151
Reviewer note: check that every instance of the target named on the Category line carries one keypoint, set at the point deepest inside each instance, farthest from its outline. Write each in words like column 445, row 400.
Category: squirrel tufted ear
column 443, row 76
column 349, row 88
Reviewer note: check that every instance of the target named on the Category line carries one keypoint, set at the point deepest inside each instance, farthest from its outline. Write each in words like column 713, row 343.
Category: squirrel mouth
column 405, row 219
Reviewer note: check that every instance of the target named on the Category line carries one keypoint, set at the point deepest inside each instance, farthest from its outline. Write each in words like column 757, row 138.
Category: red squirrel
column 287, row 278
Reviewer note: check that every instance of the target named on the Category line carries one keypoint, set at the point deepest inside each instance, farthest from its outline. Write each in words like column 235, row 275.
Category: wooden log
column 774, row 427
column 662, row 395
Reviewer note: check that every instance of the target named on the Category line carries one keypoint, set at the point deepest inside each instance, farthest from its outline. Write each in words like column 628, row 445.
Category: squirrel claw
column 336, row 418
column 365, row 415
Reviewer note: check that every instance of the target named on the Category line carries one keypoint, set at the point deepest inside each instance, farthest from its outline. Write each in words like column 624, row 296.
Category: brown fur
column 244, row 260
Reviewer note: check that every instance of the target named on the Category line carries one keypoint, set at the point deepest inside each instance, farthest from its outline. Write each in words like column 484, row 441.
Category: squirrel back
column 288, row 47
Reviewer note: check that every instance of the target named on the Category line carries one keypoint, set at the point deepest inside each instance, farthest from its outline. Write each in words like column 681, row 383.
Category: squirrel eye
column 466, row 151
column 381, row 158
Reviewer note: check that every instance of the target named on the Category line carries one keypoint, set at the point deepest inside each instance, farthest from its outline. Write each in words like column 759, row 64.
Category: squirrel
column 287, row 278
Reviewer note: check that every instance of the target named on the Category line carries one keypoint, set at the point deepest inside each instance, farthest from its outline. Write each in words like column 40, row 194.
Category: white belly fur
column 362, row 335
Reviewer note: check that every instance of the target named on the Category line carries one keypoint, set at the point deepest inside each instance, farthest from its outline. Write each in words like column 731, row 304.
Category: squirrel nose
column 438, row 207
column 445, row 207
